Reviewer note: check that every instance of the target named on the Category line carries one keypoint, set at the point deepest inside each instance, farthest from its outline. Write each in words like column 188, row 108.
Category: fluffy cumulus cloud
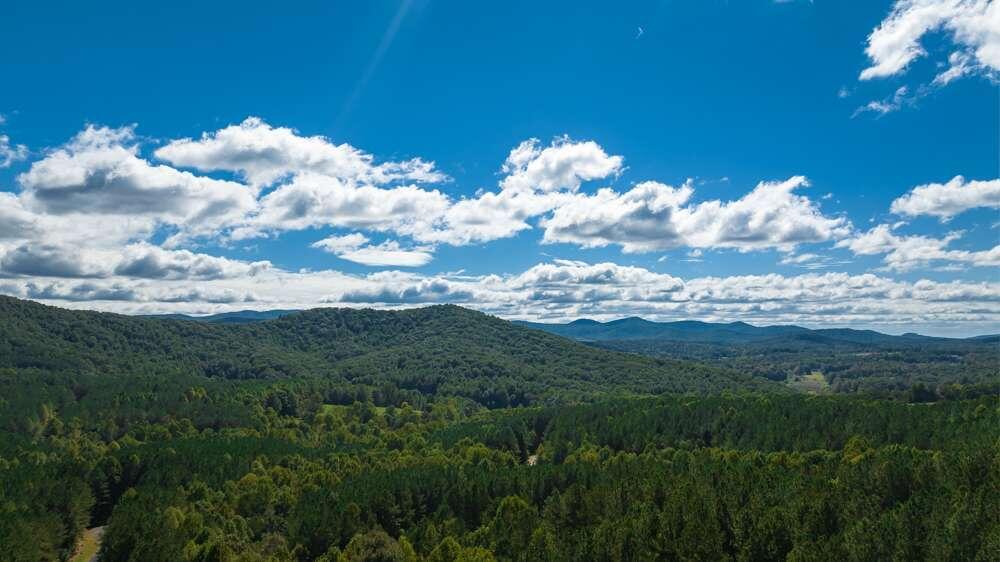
column 52, row 260
column 973, row 27
column 563, row 165
column 16, row 222
column 946, row 200
column 312, row 200
column 904, row 253
column 263, row 154
column 356, row 248
column 537, row 179
column 653, row 216
column 86, row 291
column 99, row 173
column 87, row 209
column 99, row 189
column 131, row 297
column 573, row 273
column 570, row 282
column 394, row 288
column 490, row 216
column 98, row 224
column 100, row 176
column 138, row 261
column 152, row 262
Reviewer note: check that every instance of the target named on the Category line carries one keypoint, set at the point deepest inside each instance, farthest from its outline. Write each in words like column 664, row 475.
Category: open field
column 88, row 546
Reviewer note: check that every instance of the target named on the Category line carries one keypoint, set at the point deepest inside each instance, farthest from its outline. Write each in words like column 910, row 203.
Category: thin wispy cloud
column 384, row 44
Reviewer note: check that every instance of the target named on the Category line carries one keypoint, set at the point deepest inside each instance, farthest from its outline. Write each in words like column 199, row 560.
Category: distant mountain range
column 238, row 317
column 635, row 328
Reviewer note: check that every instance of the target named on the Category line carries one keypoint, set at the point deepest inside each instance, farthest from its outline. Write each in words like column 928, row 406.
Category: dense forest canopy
column 429, row 351
column 442, row 434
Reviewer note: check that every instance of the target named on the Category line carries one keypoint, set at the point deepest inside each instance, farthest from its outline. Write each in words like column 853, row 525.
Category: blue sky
column 858, row 135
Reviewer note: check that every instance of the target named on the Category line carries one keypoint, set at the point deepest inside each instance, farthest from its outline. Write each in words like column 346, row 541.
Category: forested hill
column 445, row 350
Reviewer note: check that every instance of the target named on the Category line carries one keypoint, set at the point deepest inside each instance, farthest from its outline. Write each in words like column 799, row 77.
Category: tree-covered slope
column 438, row 349
column 349, row 435
column 732, row 477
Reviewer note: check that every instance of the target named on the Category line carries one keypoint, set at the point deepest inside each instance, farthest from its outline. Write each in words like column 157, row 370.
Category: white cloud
column 800, row 259
column 394, row 288
column 949, row 199
column 141, row 260
column 538, row 179
column 389, row 253
column 115, row 295
column 340, row 244
column 973, row 26
column 51, row 260
column 904, row 253
column 311, row 200
column 152, row 262
column 355, row 248
column 10, row 153
column 82, row 229
column 653, row 216
column 98, row 188
column 557, row 291
column 563, row 165
column 264, row 154
column 16, row 222
column 572, row 273
column 490, row 216
column 99, row 174
column 810, row 261
column 959, row 64
column 87, row 291
column 888, row 105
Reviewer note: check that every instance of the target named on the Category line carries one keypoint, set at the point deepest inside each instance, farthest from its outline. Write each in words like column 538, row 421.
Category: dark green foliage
column 373, row 546
column 754, row 477
column 341, row 435
column 429, row 351
column 889, row 368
